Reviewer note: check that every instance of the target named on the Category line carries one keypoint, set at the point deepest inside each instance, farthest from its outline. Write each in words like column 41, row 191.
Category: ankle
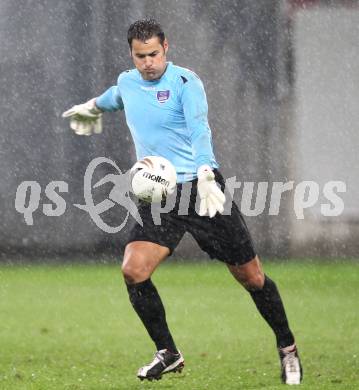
column 288, row 349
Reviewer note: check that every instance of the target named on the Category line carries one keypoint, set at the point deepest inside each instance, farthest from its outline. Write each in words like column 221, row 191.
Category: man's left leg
column 266, row 296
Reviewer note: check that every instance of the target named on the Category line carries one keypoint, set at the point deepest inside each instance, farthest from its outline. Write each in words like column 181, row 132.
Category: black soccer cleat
column 163, row 362
column 291, row 368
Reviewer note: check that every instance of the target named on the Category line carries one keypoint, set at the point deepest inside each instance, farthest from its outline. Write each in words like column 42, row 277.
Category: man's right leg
column 141, row 258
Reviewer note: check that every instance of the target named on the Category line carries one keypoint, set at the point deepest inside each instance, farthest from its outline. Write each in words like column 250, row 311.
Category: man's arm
column 86, row 118
column 195, row 110
column 110, row 100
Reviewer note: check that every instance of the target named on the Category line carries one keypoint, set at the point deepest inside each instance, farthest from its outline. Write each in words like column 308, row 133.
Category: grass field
column 72, row 327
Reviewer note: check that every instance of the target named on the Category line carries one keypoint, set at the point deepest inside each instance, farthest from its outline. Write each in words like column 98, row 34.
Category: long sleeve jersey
column 167, row 117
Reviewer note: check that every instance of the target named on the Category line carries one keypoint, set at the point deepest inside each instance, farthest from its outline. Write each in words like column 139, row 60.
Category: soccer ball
column 153, row 178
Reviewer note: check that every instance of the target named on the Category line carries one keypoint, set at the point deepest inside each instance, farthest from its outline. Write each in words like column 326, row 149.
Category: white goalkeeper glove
column 212, row 198
column 85, row 118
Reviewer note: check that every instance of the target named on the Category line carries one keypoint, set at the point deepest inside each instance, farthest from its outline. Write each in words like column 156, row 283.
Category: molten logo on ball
column 157, row 178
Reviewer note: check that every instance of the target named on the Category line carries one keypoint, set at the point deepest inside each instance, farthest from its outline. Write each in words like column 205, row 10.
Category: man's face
column 149, row 57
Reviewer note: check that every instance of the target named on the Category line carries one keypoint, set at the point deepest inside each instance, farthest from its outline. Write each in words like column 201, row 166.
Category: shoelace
column 292, row 361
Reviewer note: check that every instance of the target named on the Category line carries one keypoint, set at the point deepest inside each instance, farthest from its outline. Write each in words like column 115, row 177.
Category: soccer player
column 166, row 111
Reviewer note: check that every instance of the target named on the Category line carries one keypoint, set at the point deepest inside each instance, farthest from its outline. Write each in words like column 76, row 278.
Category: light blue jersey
column 167, row 117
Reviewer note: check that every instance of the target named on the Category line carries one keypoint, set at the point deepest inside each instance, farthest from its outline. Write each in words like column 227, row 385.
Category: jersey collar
column 155, row 82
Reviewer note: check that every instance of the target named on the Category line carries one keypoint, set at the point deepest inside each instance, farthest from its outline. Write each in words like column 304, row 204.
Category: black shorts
column 224, row 237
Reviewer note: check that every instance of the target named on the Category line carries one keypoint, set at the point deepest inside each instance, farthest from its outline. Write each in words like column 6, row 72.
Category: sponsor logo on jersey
column 163, row 96
column 156, row 178
column 148, row 88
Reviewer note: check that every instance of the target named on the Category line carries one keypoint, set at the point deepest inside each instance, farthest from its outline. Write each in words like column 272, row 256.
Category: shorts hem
column 153, row 241
column 245, row 256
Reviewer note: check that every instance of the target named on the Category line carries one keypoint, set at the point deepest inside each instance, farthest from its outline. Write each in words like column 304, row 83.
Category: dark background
column 54, row 54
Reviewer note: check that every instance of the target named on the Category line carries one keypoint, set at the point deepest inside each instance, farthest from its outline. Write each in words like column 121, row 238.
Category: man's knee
column 249, row 275
column 132, row 274
column 134, row 268
column 140, row 260
column 253, row 282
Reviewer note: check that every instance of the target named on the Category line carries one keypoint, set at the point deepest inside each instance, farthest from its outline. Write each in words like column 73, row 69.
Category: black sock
column 270, row 305
column 148, row 305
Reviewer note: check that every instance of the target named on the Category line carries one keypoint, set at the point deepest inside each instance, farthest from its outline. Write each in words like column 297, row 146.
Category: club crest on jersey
column 163, row 96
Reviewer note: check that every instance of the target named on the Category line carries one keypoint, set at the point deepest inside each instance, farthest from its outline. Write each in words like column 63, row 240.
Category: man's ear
column 130, row 52
column 165, row 45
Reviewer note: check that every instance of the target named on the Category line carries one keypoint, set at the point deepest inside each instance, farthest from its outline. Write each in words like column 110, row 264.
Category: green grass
column 72, row 327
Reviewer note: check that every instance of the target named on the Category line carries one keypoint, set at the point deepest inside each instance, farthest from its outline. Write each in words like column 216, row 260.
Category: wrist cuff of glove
column 93, row 108
column 204, row 170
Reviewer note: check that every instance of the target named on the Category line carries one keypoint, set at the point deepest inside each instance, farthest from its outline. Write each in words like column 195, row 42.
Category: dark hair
column 145, row 29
